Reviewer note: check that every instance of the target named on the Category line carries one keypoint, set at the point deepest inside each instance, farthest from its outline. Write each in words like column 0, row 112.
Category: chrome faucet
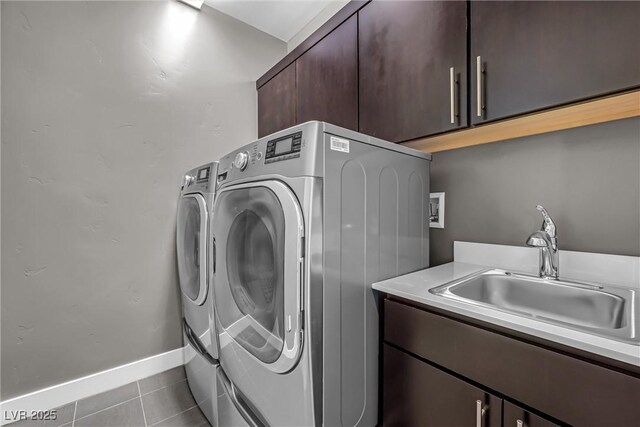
column 547, row 240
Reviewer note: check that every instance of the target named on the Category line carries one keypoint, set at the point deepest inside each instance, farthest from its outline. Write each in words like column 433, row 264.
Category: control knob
column 241, row 160
column 187, row 180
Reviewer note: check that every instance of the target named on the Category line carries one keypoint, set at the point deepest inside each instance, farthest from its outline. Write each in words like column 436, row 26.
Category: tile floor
column 161, row 400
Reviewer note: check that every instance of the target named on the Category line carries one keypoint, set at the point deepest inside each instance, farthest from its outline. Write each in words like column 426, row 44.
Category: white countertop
column 416, row 286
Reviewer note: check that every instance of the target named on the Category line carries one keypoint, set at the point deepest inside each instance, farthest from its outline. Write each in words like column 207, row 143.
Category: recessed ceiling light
column 197, row 4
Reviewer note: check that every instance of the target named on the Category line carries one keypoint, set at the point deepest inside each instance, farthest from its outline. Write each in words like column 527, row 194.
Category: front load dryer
column 305, row 220
column 192, row 239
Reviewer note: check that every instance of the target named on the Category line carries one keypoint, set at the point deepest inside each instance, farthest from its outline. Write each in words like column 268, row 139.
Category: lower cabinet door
column 418, row 394
column 515, row 416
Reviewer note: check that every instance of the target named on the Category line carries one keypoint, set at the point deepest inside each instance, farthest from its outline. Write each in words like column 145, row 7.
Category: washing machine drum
column 257, row 272
column 254, row 268
column 191, row 241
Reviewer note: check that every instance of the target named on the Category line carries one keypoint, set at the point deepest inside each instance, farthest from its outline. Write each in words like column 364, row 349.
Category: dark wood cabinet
column 327, row 78
column 515, row 416
column 406, row 53
column 417, row 394
column 557, row 385
column 406, row 70
column 277, row 102
column 535, row 55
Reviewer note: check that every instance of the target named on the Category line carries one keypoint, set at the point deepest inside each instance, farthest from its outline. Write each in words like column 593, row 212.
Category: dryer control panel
column 199, row 179
column 283, row 148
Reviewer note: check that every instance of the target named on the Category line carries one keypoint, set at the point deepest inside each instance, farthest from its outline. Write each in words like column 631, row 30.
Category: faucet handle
column 548, row 225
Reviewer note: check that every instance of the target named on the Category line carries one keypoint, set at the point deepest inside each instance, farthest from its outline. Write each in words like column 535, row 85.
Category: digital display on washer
column 283, row 146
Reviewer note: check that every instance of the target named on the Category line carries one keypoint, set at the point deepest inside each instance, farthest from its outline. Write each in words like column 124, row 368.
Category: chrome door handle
column 479, row 87
column 250, row 418
column 196, row 251
column 213, row 253
column 453, row 98
column 197, row 344
column 481, row 409
column 519, row 423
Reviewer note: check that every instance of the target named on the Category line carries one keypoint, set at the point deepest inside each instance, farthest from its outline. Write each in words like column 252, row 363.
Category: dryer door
column 258, row 230
column 191, row 243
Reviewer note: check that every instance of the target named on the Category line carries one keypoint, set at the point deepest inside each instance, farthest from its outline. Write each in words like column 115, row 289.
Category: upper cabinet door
column 277, row 102
column 327, row 78
column 413, row 68
column 535, row 55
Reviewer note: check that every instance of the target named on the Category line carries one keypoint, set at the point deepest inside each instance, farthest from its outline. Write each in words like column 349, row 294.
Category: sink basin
column 609, row 311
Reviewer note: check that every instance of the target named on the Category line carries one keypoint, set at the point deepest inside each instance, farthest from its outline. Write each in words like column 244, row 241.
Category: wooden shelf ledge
column 601, row 110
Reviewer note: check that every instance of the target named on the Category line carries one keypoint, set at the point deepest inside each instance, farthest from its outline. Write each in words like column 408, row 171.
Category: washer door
column 258, row 230
column 191, row 245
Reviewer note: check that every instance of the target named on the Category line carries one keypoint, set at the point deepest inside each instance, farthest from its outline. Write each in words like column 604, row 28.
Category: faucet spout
column 539, row 239
column 546, row 239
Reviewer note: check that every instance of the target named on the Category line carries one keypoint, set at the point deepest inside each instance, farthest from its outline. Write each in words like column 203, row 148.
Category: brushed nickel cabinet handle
column 479, row 87
column 480, row 411
column 453, row 98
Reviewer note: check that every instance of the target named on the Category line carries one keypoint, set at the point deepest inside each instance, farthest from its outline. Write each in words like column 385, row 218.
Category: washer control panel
column 283, row 148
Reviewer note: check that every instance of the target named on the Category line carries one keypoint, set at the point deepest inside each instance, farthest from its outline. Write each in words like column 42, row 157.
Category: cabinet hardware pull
column 453, row 95
column 519, row 423
column 479, row 87
column 480, row 411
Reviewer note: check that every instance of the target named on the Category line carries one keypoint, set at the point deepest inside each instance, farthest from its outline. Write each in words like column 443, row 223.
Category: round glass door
column 191, row 241
column 253, row 290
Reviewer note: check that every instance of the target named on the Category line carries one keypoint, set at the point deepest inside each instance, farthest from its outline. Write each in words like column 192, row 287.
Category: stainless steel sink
column 609, row 311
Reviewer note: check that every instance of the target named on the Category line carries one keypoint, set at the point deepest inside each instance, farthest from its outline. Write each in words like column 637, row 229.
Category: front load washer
column 192, row 239
column 305, row 220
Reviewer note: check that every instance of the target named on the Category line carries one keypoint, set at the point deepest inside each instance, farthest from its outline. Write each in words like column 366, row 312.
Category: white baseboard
column 70, row 391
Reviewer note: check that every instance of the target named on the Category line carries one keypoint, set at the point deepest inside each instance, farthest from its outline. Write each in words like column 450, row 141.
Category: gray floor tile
column 128, row 414
column 190, row 418
column 64, row 415
column 108, row 398
column 162, row 379
column 167, row 402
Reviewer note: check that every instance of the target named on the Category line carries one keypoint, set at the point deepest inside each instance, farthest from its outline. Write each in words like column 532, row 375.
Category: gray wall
column 104, row 106
column 588, row 178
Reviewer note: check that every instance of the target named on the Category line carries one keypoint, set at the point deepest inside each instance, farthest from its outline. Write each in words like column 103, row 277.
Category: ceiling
column 281, row 19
